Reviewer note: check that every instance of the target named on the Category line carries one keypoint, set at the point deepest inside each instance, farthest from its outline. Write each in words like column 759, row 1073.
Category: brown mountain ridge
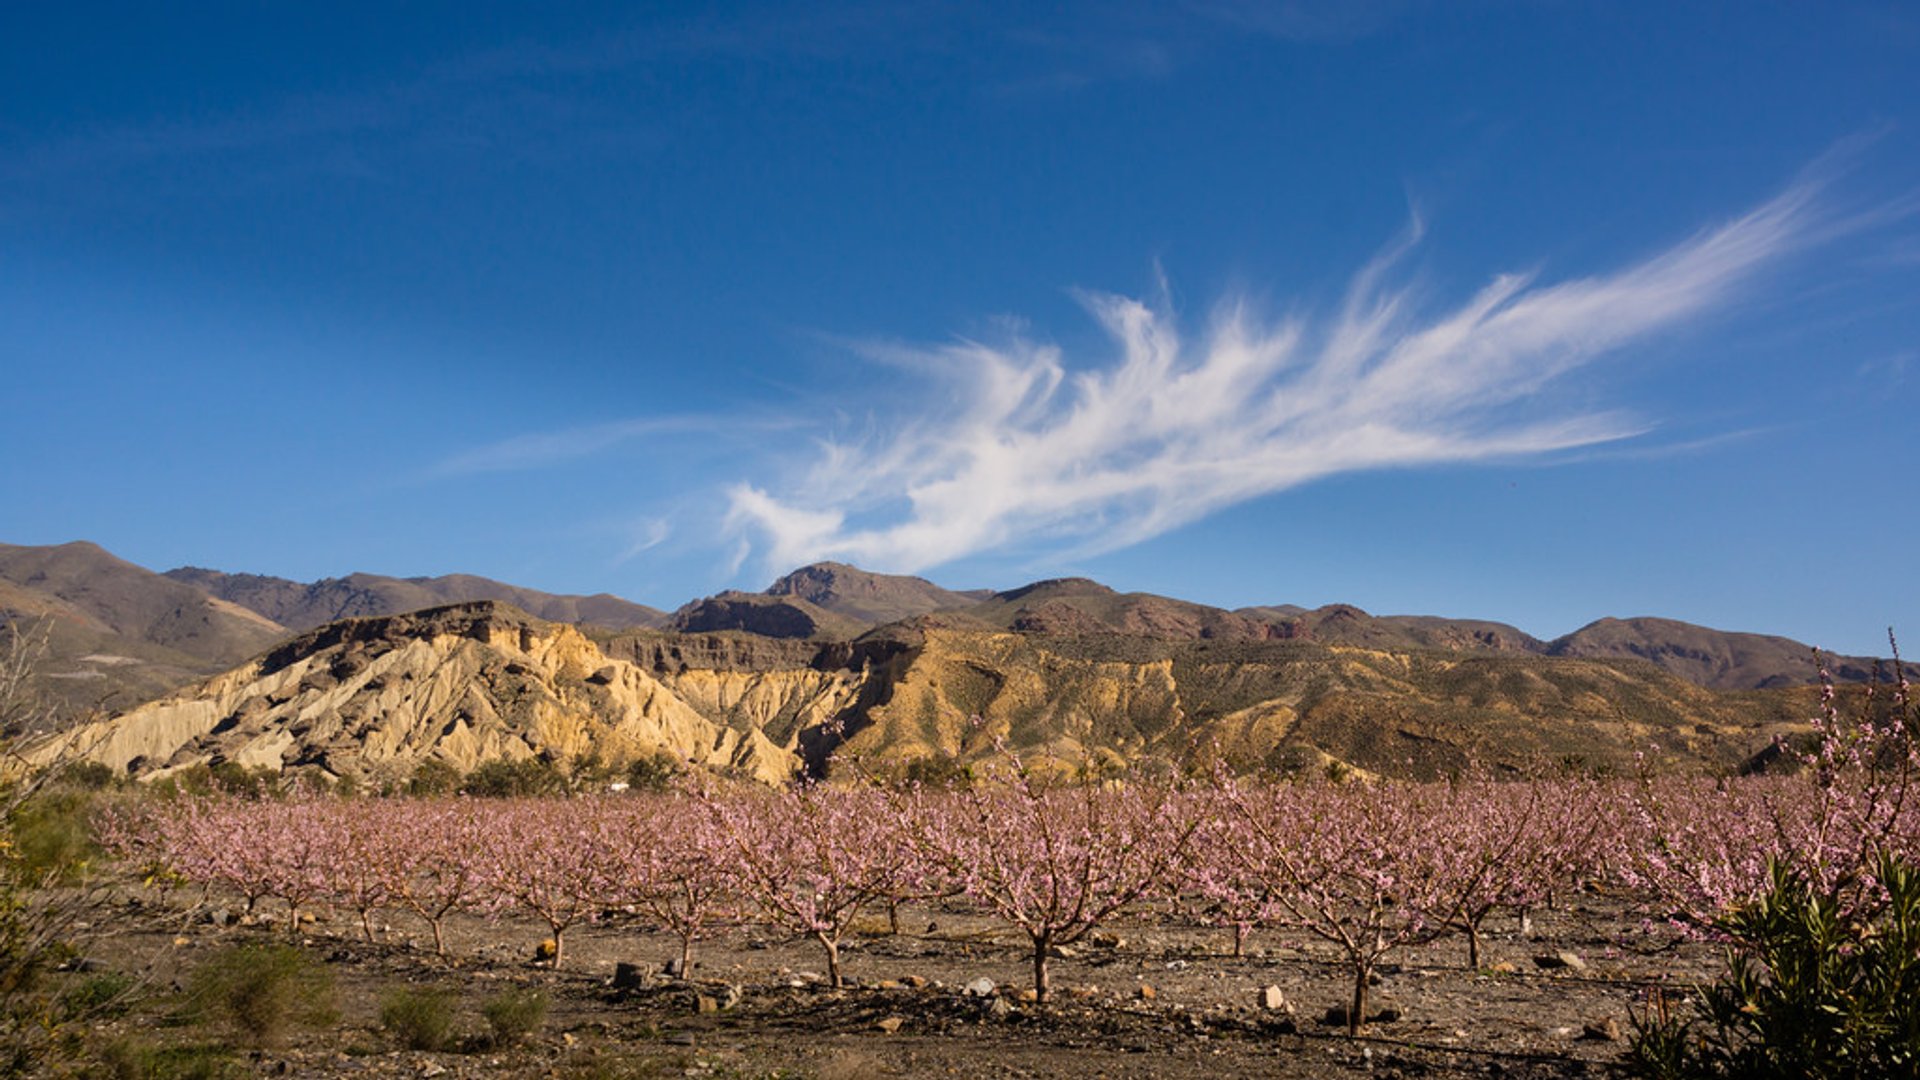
column 121, row 635
column 373, row 699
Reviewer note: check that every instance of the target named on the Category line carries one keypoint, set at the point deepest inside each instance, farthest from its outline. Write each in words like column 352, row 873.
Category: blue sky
column 1535, row 312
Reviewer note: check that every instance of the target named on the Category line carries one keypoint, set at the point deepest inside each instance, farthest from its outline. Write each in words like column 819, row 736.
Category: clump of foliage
column 515, row 779
column 420, row 1019
column 261, row 991
column 52, row 843
column 221, row 778
column 127, row 1059
column 43, row 841
column 1824, row 964
column 434, row 777
column 656, row 772
column 1813, row 990
column 514, row 1014
column 107, row 993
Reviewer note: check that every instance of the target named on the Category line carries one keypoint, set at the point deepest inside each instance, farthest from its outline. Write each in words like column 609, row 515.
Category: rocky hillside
column 374, row 698
column 116, row 633
column 305, row 605
column 1709, row 657
column 830, row 601
column 869, row 598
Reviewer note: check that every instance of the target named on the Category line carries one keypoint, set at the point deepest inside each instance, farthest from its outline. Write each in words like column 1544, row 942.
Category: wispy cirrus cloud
column 1030, row 450
column 541, row 449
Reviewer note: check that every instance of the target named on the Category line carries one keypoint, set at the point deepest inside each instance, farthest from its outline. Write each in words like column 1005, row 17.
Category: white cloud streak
column 543, row 449
column 1028, row 451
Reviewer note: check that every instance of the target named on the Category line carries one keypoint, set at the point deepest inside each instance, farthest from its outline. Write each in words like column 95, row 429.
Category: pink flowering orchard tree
column 811, row 857
column 539, row 859
column 1509, row 844
column 434, row 869
column 1229, row 893
column 1056, row 863
column 670, row 858
column 1356, row 865
column 214, row 843
column 364, row 857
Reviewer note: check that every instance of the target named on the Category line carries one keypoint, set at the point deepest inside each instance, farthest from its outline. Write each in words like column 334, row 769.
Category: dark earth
column 1152, row 996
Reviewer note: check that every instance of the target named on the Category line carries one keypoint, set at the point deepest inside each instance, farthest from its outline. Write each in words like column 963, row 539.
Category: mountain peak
column 864, row 595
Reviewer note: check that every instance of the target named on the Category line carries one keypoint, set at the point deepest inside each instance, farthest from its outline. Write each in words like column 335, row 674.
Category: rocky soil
column 946, row 997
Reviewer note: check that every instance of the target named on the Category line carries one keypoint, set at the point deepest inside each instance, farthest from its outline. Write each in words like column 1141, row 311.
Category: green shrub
column 127, row 1059
column 108, row 993
column 434, row 777
column 420, row 1019
column 89, row 775
column 514, row 1014
column 655, row 772
column 262, row 990
column 1814, row 989
column 52, row 842
column 513, row 779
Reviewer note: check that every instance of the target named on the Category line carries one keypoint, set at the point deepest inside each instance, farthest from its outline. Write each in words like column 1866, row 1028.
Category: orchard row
column 1369, row 868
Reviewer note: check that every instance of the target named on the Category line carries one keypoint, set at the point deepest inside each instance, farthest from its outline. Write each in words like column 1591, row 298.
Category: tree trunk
column 1040, row 945
column 893, row 915
column 366, row 922
column 686, row 955
column 1357, row 1012
column 1473, row 944
column 1239, row 940
column 559, row 945
column 439, row 936
column 833, row 958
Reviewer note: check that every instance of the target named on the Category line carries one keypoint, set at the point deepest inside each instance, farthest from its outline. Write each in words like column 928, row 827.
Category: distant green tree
column 515, row 779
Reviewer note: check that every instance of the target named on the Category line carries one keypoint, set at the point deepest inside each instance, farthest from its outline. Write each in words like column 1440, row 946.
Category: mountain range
column 195, row 664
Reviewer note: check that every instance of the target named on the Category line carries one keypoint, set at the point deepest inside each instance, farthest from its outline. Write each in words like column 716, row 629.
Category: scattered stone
column 1146, row 992
column 1100, row 939
column 889, row 984
column 1389, row 1015
column 706, row 1003
column 730, row 996
column 182, row 942
column 1562, row 959
column 220, row 917
column 1063, row 952
column 1272, row 1000
column 914, row 982
column 1504, row 967
column 674, row 969
column 1605, row 1029
column 980, row 987
column 1335, row 1016
column 432, row 1068
column 890, row 1025
column 1000, row 1009
column 628, row 976
column 1027, row 996
column 546, row 950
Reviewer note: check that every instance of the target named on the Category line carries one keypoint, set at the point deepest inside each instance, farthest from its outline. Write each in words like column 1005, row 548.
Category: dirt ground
column 1163, row 1000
